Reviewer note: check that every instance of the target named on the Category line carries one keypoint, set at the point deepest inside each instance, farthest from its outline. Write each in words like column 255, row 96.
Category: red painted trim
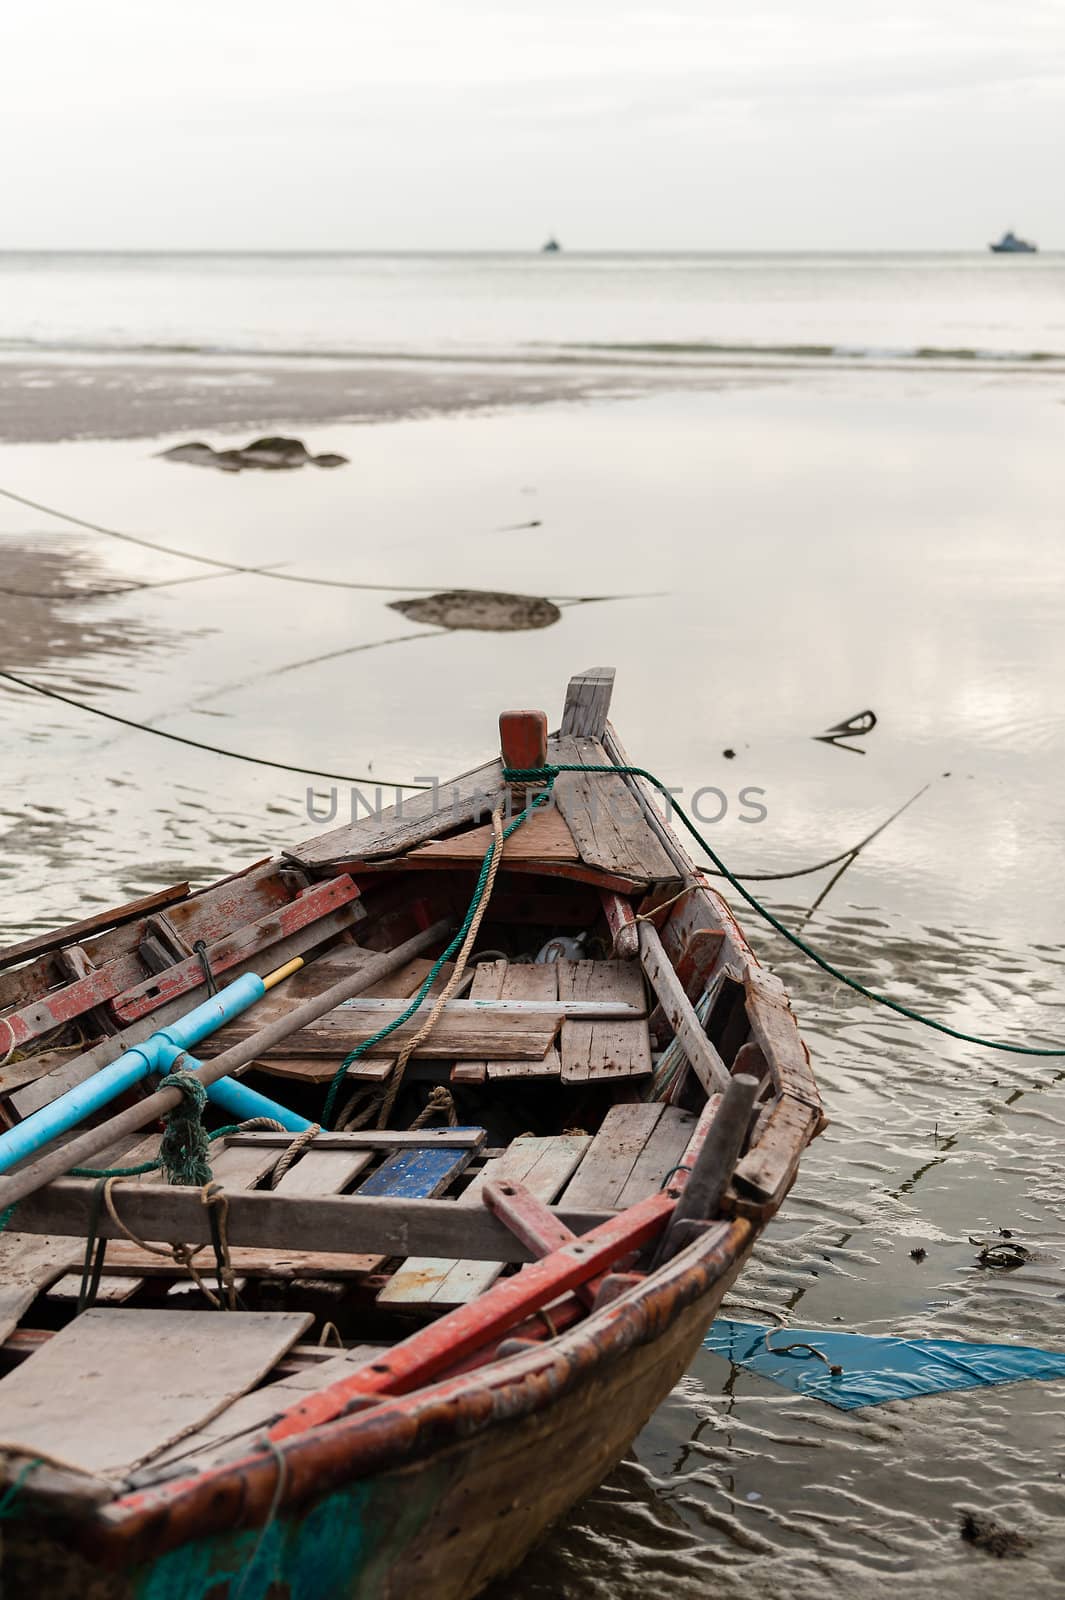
column 429, row 1352
column 235, row 947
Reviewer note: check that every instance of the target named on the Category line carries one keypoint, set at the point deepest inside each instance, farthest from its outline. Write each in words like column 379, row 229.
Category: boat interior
column 584, row 1038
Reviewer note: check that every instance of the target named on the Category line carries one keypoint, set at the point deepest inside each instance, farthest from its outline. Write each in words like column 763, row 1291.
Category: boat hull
column 445, row 1525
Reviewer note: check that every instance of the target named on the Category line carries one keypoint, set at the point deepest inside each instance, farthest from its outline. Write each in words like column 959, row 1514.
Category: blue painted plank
column 417, row 1173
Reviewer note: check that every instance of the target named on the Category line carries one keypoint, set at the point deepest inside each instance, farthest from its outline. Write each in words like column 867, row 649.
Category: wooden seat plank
column 597, row 1050
column 608, row 1166
column 543, row 1165
column 185, row 1366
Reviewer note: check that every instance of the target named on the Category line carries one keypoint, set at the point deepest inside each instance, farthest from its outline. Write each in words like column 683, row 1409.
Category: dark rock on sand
column 274, row 453
column 481, row 609
column 986, row 1534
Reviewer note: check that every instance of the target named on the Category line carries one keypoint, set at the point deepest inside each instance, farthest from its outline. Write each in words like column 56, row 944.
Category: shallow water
column 794, row 551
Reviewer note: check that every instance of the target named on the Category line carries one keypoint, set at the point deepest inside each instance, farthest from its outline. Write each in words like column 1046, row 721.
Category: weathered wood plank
column 596, row 1050
column 505, row 982
column 239, row 944
column 703, row 1058
column 465, row 799
column 418, row 1173
column 587, row 703
column 774, row 1028
column 609, row 1162
column 662, row 1154
column 42, row 943
column 216, row 1440
column 358, row 1223
column 607, row 823
column 32, row 1096
column 543, row 1165
column 319, row 1068
column 504, row 1036
column 370, row 1139
column 544, row 837
column 183, row 1366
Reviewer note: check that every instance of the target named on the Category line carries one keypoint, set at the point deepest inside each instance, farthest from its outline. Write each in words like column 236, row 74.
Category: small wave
column 578, row 353
column 819, row 352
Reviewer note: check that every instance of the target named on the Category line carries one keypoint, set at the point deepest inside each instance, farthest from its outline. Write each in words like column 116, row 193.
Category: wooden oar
column 81, row 1151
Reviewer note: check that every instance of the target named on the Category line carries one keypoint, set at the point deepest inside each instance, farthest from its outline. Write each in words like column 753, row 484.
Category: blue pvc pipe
column 155, row 1054
column 241, row 1102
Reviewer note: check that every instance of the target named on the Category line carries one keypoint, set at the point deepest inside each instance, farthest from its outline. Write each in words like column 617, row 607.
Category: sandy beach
column 774, row 549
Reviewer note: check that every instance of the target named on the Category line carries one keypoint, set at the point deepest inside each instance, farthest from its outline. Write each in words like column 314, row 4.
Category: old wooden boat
column 382, row 1355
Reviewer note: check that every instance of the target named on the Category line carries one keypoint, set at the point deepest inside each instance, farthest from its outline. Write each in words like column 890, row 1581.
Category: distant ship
column 1010, row 245
column 551, row 248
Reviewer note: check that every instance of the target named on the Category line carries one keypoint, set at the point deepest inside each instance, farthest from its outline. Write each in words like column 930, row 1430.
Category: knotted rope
column 185, row 1151
column 440, row 1103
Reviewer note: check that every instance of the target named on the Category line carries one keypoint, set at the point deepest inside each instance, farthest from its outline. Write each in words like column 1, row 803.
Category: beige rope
column 440, row 1103
column 181, row 1254
column 300, row 1143
column 396, row 1079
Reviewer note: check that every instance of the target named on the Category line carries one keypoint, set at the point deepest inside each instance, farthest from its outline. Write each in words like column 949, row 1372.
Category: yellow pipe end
column 281, row 973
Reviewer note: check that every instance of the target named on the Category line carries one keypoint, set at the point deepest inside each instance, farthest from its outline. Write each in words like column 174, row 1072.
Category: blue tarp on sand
column 875, row 1369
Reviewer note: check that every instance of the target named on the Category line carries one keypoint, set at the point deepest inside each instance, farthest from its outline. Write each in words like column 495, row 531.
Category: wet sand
column 799, row 550
column 52, row 401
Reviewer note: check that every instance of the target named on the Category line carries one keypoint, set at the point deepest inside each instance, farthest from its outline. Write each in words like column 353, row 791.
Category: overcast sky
column 701, row 124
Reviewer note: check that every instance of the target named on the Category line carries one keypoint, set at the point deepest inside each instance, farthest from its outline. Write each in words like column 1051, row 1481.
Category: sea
column 815, row 485
column 691, row 307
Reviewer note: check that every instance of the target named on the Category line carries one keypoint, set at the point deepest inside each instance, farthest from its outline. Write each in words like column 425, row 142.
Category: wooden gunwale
column 415, row 1427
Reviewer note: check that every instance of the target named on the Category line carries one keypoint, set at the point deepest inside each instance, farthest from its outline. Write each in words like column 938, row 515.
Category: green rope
column 185, row 1150
column 8, row 1507
column 548, row 774
column 547, row 777
column 133, row 1172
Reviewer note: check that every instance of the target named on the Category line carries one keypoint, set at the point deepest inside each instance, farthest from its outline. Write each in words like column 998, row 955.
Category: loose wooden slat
column 543, row 1165
column 506, row 1036
column 607, row 823
column 318, row 1067
column 613, row 1154
column 416, row 1174
column 488, row 980
column 597, row 1050
column 142, row 1378
column 465, row 799
column 370, row 1139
